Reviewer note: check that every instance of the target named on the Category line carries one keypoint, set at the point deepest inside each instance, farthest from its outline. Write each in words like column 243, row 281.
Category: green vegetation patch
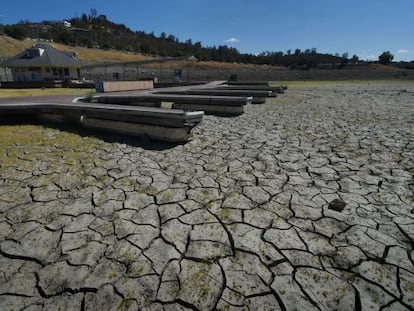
column 26, row 143
column 44, row 92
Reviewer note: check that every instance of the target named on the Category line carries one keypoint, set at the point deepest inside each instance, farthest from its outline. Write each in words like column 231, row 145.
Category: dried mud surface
column 303, row 203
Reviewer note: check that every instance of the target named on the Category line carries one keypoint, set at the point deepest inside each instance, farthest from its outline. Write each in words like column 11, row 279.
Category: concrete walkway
column 303, row 203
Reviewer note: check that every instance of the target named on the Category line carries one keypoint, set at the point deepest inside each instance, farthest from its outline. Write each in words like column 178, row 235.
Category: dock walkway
column 173, row 125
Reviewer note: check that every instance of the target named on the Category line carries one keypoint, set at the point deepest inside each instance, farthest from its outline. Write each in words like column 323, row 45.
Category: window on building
column 66, row 71
column 32, row 53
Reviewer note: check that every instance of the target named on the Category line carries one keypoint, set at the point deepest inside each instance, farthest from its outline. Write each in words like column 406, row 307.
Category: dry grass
column 96, row 55
column 381, row 67
column 10, row 46
column 212, row 65
column 40, row 92
column 224, row 66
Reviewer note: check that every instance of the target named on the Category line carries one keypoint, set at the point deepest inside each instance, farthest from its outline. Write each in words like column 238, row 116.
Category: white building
column 67, row 24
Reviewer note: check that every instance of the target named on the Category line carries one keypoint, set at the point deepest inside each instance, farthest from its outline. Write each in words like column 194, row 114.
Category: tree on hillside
column 385, row 58
column 18, row 32
column 94, row 13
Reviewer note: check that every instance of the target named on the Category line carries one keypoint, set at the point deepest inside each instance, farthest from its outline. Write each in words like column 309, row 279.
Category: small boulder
column 337, row 205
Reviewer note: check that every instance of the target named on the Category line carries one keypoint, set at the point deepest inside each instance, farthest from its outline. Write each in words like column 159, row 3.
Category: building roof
column 40, row 55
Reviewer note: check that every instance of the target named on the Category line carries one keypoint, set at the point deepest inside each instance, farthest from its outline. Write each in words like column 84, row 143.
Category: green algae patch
column 43, row 92
column 21, row 146
column 19, row 135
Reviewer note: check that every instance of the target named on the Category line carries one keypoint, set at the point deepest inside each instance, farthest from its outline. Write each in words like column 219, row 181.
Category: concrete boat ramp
column 167, row 114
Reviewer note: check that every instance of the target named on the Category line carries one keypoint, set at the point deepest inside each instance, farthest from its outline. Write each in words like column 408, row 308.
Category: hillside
column 93, row 55
column 10, row 46
column 99, row 32
column 97, row 39
column 215, row 70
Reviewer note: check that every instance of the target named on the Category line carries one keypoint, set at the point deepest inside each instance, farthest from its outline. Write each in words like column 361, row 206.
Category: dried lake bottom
column 303, row 203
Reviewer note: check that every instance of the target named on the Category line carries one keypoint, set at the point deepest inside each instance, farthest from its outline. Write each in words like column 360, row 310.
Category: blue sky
column 362, row 27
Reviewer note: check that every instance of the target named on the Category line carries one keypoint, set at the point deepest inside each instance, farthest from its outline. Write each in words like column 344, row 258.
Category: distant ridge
column 101, row 33
column 97, row 39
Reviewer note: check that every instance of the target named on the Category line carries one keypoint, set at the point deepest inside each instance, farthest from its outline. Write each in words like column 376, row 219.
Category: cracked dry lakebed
column 302, row 203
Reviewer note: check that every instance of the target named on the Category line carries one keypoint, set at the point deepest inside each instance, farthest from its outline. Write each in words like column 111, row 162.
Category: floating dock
column 275, row 89
column 172, row 125
column 166, row 114
column 217, row 105
column 217, row 91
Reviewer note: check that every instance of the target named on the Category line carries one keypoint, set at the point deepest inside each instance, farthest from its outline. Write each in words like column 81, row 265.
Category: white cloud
column 232, row 40
column 402, row 51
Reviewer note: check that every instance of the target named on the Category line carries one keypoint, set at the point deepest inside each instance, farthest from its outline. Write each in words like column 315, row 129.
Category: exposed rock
column 337, row 205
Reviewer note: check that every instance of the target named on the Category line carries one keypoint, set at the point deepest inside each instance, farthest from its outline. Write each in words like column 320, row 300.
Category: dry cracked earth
column 303, row 203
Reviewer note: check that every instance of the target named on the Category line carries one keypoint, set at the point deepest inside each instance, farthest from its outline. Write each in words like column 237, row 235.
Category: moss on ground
column 44, row 92
column 20, row 143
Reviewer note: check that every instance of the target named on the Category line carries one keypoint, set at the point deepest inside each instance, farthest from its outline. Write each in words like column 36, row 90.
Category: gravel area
column 303, row 203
